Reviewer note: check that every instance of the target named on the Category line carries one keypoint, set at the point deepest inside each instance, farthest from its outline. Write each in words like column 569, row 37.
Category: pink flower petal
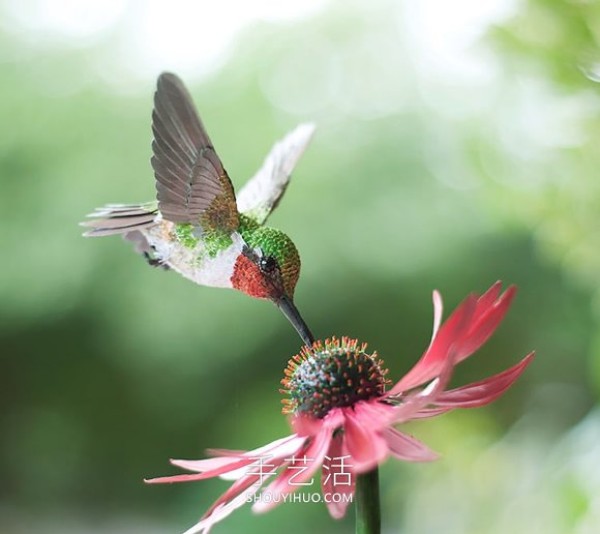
column 217, row 471
column 208, row 464
column 337, row 479
column 364, row 443
column 414, row 403
column 485, row 391
column 487, row 299
column 430, row 412
column 292, row 477
column 305, row 425
column 224, row 507
column 238, row 453
column 260, row 451
column 248, row 479
column 214, row 467
column 488, row 315
column 375, row 414
column 449, row 335
column 407, row 448
column 438, row 310
column 252, row 480
column 284, row 449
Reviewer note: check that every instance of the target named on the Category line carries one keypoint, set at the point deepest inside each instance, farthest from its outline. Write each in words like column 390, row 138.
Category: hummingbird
column 197, row 227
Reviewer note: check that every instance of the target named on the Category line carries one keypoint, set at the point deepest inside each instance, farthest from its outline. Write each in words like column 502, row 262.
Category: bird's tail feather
column 121, row 219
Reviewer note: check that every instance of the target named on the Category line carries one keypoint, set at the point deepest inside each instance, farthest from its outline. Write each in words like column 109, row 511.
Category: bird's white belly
column 194, row 262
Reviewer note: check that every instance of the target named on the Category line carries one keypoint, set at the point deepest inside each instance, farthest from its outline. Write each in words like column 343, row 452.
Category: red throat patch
column 247, row 278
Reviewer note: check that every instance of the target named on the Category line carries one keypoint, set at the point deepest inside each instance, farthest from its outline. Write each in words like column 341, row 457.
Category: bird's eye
column 268, row 264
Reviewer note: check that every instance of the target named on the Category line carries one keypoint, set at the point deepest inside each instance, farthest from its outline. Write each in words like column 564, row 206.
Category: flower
column 344, row 420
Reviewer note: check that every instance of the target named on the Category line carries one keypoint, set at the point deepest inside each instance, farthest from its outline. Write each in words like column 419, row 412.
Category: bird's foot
column 155, row 262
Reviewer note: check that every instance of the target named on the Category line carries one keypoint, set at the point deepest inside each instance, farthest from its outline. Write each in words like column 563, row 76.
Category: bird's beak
column 286, row 305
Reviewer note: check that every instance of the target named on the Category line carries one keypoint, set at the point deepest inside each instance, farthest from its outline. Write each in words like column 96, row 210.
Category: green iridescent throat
column 335, row 374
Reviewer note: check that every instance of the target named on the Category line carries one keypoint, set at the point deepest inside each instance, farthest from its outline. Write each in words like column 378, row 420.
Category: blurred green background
column 457, row 144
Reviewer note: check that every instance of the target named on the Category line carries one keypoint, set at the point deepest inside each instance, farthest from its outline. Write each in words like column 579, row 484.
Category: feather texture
column 261, row 194
column 119, row 219
column 191, row 184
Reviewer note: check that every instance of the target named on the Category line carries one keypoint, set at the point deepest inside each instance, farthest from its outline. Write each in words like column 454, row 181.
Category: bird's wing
column 260, row 196
column 191, row 184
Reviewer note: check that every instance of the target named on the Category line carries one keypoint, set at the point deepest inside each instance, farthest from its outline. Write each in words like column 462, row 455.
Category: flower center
column 333, row 374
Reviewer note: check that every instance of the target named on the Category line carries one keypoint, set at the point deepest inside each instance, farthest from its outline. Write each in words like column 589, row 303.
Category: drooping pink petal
column 414, row 402
column 337, row 478
column 260, row 451
column 232, row 465
column 407, row 448
column 224, row 507
column 207, row 464
column 485, row 391
column 489, row 313
column 298, row 470
column 259, row 465
column 217, row 471
column 449, row 335
column 284, row 449
column 251, row 481
column 213, row 467
column 364, row 443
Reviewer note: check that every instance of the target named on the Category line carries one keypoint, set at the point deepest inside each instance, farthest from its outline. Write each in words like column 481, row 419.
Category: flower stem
column 368, row 514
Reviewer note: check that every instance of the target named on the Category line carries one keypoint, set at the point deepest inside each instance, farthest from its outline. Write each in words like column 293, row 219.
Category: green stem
column 368, row 514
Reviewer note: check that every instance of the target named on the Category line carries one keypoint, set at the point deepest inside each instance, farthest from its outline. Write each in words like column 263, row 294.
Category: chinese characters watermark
column 336, row 474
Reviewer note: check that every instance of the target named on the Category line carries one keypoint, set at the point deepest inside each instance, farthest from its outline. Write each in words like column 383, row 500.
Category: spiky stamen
column 333, row 374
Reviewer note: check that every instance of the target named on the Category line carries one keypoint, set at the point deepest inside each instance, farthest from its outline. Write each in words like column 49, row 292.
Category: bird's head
column 268, row 268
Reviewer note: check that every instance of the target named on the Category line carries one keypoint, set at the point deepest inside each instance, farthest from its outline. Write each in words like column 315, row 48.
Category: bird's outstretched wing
column 260, row 196
column 192, row 185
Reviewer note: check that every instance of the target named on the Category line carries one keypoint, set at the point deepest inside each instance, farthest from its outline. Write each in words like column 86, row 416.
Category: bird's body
column 197, row 227
column 175, row 247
